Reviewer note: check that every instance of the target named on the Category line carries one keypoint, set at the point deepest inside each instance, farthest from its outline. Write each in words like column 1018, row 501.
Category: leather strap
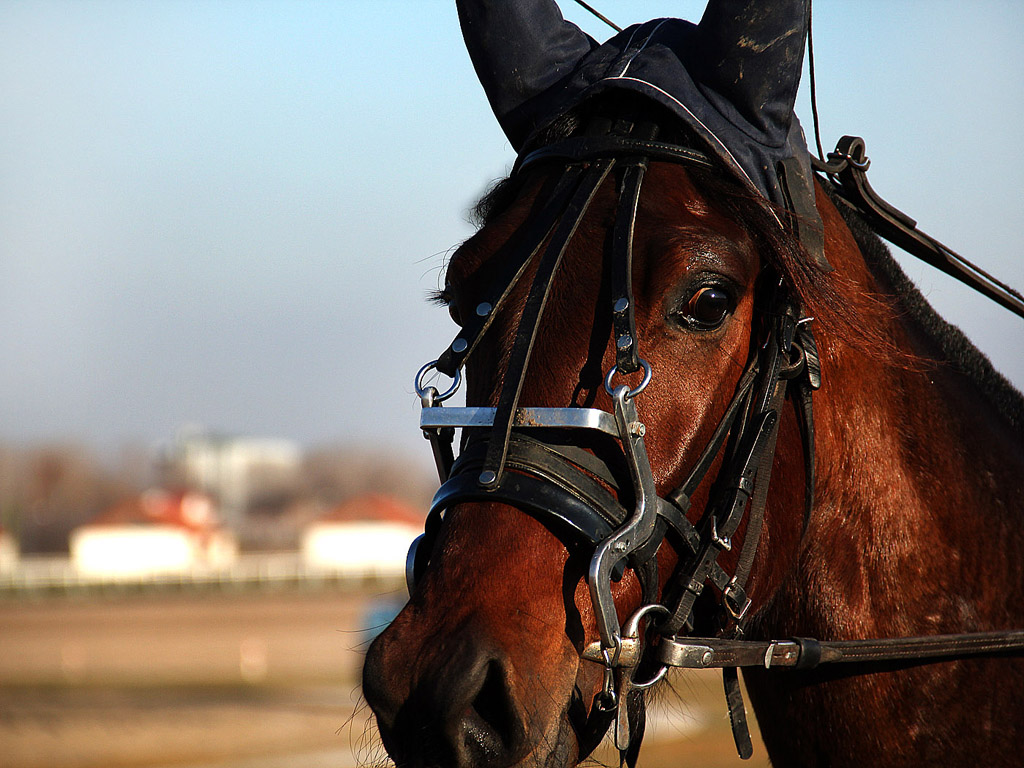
column 737, row 712
column 529, row 322
column 721, row 523
column 808, row 653
column 523, row 248
column 581, row 148
column 623, row 315
column 781, row 371
column 806, row 385
column 554, row 492
column 848, row 167
column 682, row 494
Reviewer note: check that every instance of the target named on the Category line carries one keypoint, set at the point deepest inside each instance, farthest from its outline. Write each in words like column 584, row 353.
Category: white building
column 235, row 470
column 8, row 552
column 160, row 534
column 366, row 536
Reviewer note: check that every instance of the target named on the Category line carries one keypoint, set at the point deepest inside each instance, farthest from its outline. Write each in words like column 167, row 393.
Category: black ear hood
column 732, row 79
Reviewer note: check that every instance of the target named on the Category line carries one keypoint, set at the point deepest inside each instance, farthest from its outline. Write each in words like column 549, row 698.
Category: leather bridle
column 603, row 497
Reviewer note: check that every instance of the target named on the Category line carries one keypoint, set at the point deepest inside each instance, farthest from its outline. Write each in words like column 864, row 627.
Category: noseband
column 602, row 497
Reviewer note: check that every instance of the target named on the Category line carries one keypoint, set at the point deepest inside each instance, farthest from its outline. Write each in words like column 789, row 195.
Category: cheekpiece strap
column 522, row 248
column 627, row 359
column 529, row 322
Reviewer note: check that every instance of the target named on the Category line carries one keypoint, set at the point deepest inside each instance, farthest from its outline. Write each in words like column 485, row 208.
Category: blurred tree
column 47, row 491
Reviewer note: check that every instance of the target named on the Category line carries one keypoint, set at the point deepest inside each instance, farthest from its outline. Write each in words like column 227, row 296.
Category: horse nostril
column 458, row 713
column 491, row 727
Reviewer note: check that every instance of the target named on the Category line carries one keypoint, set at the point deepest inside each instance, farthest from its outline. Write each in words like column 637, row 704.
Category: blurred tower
column 234, row 470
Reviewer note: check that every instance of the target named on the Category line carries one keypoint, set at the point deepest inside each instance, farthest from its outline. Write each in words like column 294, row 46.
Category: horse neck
column 921, row 481
column 915, row 531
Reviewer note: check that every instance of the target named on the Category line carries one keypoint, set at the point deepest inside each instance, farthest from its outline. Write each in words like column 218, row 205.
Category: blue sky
column 229, row 213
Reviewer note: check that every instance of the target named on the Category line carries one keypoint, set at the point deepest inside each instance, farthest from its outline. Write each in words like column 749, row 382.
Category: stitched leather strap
column 809, row 653
column 589, row 147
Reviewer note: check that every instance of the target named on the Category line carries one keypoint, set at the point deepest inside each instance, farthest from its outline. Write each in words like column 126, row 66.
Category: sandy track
column 234, row 681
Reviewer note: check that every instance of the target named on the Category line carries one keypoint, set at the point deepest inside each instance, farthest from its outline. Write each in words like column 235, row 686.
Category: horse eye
column 708, row 307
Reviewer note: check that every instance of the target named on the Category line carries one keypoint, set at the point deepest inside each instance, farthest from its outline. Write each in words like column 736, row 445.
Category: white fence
column 272, row 570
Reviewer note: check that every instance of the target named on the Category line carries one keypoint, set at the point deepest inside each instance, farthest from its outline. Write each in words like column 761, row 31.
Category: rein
column 847, row 169
column 585, row 472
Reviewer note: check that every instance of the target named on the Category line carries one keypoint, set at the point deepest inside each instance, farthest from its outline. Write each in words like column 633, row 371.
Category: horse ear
column 520, row 49
column 752, row 54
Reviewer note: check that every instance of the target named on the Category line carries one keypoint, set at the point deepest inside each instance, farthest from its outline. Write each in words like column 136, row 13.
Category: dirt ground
column 241, row 680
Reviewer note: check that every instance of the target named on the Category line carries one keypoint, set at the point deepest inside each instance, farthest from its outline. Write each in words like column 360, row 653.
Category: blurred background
column 219, row 221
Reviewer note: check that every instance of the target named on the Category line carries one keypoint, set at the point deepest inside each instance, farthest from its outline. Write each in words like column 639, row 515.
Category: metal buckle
column 736, row 600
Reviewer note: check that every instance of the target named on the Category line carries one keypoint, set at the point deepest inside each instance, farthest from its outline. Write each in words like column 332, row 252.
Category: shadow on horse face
column 483, row 667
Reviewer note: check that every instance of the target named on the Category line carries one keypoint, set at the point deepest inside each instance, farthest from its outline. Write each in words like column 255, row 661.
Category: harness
column 585, row 473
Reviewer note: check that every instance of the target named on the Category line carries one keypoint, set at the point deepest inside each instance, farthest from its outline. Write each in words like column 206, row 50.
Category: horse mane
column 955, row 348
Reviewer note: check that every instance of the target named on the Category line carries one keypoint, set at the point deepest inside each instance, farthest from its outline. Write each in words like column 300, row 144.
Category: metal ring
column 656, row 679
column 422, row 390
column 632, row 628
column 606, row 701
column 633, row 392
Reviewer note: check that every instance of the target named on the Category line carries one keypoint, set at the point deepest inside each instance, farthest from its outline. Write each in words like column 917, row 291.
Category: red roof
column 375, row 508
column 192, row 511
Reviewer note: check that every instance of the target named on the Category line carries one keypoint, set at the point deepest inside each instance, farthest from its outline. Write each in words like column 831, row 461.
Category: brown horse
column 914, row 528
